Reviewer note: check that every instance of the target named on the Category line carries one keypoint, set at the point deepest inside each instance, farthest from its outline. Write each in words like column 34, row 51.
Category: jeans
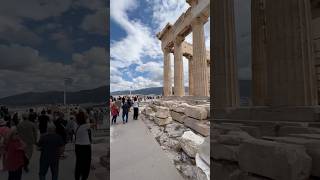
column 125, row 114
column 44, row 166
column 83, row 161
column 15, row 175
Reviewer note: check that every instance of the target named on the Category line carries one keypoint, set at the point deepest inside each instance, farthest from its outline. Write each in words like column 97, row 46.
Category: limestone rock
column 199, row 126
column 190, row 143
column 172, row 144
column 156, row 131
column 233, row 138
column 187, row 170
column 224, row 152
column 274, row 160
column 178, row 116
column 224, row 171
column 162, row 112
column 196, row 112
column 175, row 129
column 180, row 108
column 162, row 121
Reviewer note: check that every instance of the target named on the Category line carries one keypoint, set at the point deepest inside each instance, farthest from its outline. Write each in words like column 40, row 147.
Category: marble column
column 201, row 86
column 191, row 75
column 167, row 73
column 224, row 64
column 259, row 60
column 289, row 51
column 178, row 68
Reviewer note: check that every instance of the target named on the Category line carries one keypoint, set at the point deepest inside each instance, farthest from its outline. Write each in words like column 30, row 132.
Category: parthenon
column 172, row 41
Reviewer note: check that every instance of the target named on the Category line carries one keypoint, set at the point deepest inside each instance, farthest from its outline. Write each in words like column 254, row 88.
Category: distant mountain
column 97, row 95
column 244, row 87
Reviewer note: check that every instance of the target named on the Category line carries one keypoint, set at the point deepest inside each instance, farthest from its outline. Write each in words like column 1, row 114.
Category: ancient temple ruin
column 172, row 41
column 277, row 136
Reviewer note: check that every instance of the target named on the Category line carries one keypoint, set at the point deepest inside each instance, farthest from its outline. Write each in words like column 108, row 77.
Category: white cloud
column 141, row 42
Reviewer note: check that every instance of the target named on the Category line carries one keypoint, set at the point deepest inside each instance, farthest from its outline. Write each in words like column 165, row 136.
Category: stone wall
column 182, row 129
column 246, row 150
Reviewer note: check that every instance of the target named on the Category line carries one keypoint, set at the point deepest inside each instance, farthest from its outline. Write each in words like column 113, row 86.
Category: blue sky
column 41, row 42
column 136, row 56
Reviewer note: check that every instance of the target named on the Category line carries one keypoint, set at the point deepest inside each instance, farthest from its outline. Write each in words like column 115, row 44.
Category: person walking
column 125, row 112
column 15, row 155
column 135, row 108
column 114, row 113
column 82, row 147
column 28, row 133
column 4, row 132
column 43, row 122
column 51, row 146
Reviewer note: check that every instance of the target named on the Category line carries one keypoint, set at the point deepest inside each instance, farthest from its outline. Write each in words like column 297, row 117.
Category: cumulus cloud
column 28, row 71
column 140, row 46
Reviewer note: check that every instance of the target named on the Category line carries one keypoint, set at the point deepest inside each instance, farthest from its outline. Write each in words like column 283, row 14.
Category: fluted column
column 178, row 68
column 259, row 59
column 291, row 70
column 191, row 74
column 167, row 73
column 201, row 87
column 224, row 64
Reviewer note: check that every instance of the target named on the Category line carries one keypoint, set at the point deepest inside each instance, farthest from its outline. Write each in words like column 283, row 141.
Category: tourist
column 82, row 147
column 51, row 147
column 70, row 128
column 135, row 108
column 4, row 132
column 43, row 122
column 61, row 124
column 114, row 113
column 32, row 115
column 15, row 155
column 28, row 133
column 125, row 111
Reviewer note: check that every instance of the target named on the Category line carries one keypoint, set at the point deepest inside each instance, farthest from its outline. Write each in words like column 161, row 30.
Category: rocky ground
column 184, row 145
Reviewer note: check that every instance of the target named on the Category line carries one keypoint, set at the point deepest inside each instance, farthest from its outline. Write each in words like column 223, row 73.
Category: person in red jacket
column 114, row 113
column 14, row 161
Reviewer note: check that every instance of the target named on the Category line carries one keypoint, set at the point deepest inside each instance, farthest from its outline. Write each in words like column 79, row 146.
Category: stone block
column 203, row 171
column 162, row 112
column 162, row 121
column 233, row 138
column 178, row 116
column 180, row 108
column 196, row 112
column 223, row 171
column 190, row 143
column 175, row 129
column 252, row 131
column 286, row 130
column 312, row 149
column 199, row 126
column 224, row 152
column 274, row 160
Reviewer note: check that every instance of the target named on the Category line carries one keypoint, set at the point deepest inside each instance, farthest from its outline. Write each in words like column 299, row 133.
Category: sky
column 136, row 56
column 44, row 41
column 135, row 52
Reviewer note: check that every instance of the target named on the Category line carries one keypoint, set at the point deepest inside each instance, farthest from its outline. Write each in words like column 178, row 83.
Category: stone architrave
column 178, row 68
column 201, row 85
column 167, row 90
column 225, row 77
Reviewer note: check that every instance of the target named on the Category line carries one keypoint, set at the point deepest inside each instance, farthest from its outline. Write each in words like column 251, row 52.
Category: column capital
column 166, row 50
column 179, row 39
column 201, row 19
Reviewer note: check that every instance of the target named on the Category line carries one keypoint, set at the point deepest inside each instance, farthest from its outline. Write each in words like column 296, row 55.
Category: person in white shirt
column 135, row 108
column 82, row 147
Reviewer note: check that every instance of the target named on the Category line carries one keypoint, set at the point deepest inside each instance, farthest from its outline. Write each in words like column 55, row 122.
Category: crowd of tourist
column 49, row 131
column 125, row 103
